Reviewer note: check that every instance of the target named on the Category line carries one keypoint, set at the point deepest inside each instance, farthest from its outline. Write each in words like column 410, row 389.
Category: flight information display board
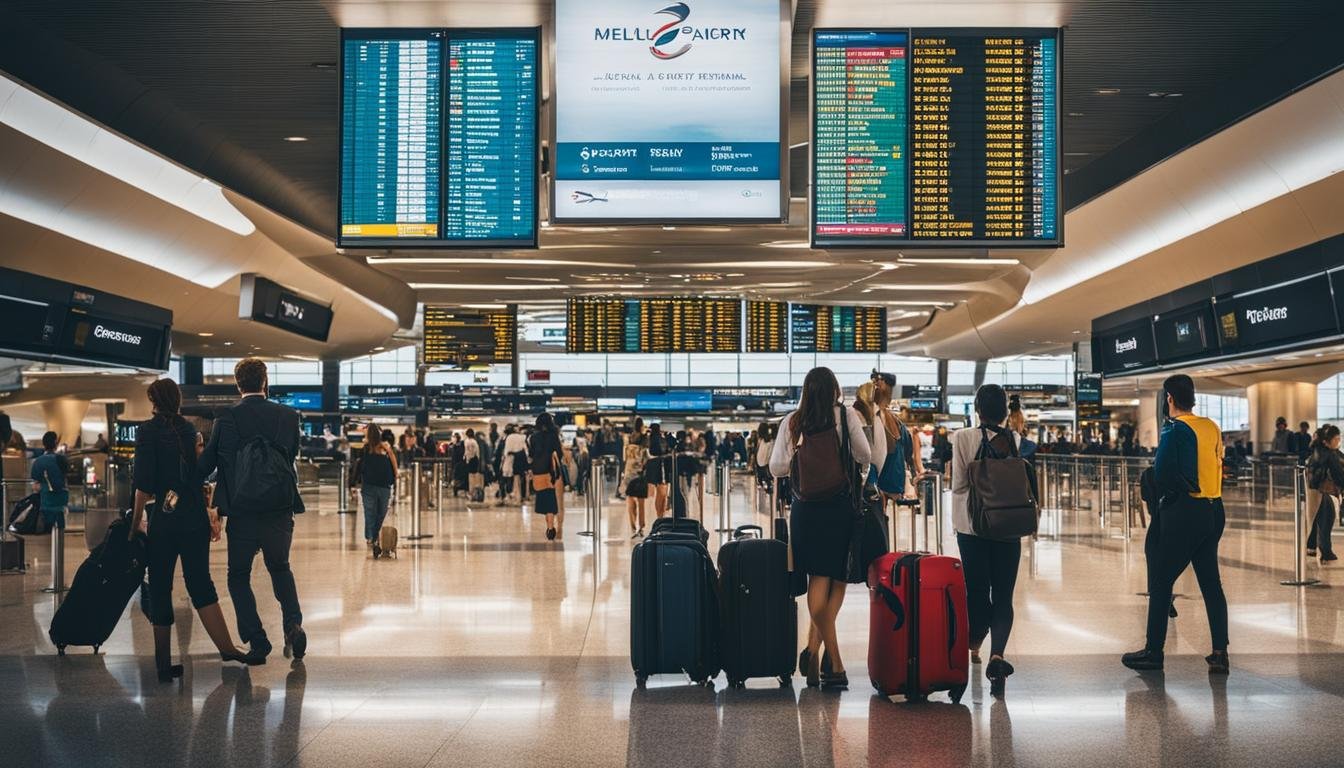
column 767, row 326
column 936, row 138
column 463, row 337
column 820, row 328
column 654, row 325
column 439, row 138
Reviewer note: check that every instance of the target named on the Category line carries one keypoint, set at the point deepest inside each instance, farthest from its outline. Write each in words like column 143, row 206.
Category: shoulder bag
column 868, row 534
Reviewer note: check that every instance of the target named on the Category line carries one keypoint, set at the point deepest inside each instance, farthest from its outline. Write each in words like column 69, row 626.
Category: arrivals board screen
column 821, row 328
column 936, row 138
column 654, row 325
column 767, row 326
column 462, row 337
column 439, row 137
column 669, row 111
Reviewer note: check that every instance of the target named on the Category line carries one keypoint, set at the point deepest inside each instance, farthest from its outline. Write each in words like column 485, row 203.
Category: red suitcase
column 918, row 637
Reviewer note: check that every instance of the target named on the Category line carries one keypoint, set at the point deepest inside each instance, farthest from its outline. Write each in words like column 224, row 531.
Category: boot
column 163, row 654
column 212, row 618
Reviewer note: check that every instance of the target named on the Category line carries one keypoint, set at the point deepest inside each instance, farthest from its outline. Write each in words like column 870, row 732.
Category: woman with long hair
column 822, row 515
column 636, row 488
column 180, row 528
column 377, row 475
column 658, row 470
column 1325, row 480
column 547, row 454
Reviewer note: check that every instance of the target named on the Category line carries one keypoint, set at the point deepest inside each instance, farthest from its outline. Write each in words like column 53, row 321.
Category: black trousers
column 272, row 536
column 1190, row 532
column 168, row 543
column 991, row 577
column 1322, row 527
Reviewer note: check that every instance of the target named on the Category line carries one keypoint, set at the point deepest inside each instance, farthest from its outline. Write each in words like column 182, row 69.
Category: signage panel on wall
column 935, row 137
column 439, row 137
column 668, row 111
column 1128, row 348
column 270, row 303
column 1186, row 333
column 1276, row 315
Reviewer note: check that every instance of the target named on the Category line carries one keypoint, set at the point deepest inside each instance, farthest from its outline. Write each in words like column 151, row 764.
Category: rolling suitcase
column 387, row 540
column 103, row 585
column 918, row 636
column 674, row 608
column 760, row 617
column 11, row 554
column 476, row 484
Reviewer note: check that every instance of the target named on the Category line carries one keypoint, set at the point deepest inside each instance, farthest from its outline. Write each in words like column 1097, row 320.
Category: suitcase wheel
column 786, row 681
column 956, row 693
column 95, row 649
column 60, row 650
column 640, row 680
column 737, row 683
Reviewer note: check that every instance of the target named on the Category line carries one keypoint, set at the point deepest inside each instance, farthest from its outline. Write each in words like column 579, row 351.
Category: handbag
column 868, row 534
column 544, row 481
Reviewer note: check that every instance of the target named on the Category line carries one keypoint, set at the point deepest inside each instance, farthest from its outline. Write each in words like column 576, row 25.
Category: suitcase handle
column 741, row 529
column 951, row 619
column 893, row 602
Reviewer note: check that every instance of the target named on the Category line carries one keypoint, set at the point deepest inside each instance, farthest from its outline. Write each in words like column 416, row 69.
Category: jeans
column 1190, row 532
column 271, row 535
column 991, row 576
column 1324, row 525
column 167, row 543
column 375, row 499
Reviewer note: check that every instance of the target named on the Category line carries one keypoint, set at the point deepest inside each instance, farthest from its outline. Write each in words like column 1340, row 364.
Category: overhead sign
column 1280, row 314
column 669, row 111
column 1128, row 349
column 462, row 337
column 1186, row 333
column 45, row 319
column 266, row 301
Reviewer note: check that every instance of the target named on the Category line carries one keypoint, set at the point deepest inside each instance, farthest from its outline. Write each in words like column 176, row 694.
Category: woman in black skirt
column 658, row 471
column 820, row 527
column 547, row 455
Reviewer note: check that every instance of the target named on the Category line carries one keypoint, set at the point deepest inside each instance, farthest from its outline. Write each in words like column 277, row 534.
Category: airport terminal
column 703, row 383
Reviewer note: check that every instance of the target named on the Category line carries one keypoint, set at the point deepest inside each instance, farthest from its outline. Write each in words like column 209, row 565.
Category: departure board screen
column 820, row 328
column 654, row 325
column 439, row 138
column 860, row 132
column 462, row 337
column 936, row 138
column 767, row 326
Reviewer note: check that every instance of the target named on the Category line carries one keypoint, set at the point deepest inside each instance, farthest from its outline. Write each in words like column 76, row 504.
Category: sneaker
column 1329, row 558
column 1311, row 553
column 259, row 648
column 1218, row 663
column 1143, row 660
column 377, row 551
column 296, row 642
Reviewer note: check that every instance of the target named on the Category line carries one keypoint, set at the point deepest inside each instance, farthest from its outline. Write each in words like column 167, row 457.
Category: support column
column 331, row 386
column 1293, row 400
column 1149, row 425
column 65, row 417
column 980, row 367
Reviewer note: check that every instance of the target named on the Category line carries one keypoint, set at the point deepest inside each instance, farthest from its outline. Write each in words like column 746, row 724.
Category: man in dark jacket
column 270, row 531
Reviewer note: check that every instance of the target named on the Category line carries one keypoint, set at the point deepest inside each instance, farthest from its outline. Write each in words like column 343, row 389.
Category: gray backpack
column 1001, row 501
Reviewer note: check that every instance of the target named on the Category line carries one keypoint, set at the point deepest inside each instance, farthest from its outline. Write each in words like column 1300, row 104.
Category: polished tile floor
column 487, row 645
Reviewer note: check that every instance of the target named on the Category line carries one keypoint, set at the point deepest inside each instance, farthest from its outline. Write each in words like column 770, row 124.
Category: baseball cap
column 889, row 378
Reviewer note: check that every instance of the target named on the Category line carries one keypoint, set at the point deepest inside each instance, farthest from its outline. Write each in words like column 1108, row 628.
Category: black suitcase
column 26, row 519
column 103, row 585
column 674, row 608
column 11, row 554
column 760, row 616
column 680, row 525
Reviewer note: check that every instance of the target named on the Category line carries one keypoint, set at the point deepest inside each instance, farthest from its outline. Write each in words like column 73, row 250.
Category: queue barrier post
column 937, row 513
column 417, row 501
column 725, row 496
column 591, row 501
column 57, row 584
column 1299, row 534
column 343, row 487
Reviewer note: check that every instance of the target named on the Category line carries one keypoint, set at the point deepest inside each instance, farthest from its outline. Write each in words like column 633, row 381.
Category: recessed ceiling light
column 228, row 343
column 1075, row 333
column 296, row 138
column 764, row 264
column 1108, row 91
column 205, row 334
column 482, row 287
column 657, row 252
column 375, row 349
column 971, row 262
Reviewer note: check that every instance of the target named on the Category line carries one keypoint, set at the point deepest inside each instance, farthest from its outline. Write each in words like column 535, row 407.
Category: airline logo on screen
column 663, row 40
column 1266, row 315
column 1128, row 345
column 101, row 332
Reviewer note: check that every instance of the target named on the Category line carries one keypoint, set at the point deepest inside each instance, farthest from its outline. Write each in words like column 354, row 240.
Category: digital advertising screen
column 1128, row 348
column 669, row 112
column 439, row 137
column 1186, row 333
column 1279, row 314
column 936, row 138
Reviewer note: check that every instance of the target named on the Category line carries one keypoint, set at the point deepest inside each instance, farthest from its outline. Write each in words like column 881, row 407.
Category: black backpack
column 264, row 481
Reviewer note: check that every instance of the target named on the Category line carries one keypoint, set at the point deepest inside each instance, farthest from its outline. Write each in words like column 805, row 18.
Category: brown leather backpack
column 818, row 470
column 1001, row 502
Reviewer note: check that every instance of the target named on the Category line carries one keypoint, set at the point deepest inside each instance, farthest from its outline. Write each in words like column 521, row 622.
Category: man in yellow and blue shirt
column 1189, row 472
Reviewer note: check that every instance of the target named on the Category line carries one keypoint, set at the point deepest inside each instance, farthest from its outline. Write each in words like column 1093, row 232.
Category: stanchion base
column 345, row 511
column 1303, row 583
column 419, row 537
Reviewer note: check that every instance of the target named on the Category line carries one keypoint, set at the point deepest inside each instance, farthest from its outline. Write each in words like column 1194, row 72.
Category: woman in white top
column 990, row 565
column 820, row 527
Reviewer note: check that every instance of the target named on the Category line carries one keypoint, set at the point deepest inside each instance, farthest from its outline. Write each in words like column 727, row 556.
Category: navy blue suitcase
column 103, row 586
column 674, row 608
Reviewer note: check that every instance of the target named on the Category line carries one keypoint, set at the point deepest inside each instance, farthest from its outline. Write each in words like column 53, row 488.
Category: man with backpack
column 253, row 446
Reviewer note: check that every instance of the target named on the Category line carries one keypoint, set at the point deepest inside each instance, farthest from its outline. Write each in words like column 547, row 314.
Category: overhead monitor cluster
column 462, row 337
column 677, row 112
column 687, row 325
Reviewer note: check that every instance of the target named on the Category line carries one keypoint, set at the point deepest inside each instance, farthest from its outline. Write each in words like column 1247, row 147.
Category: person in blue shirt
column 48, row 477
column 1188, row 474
